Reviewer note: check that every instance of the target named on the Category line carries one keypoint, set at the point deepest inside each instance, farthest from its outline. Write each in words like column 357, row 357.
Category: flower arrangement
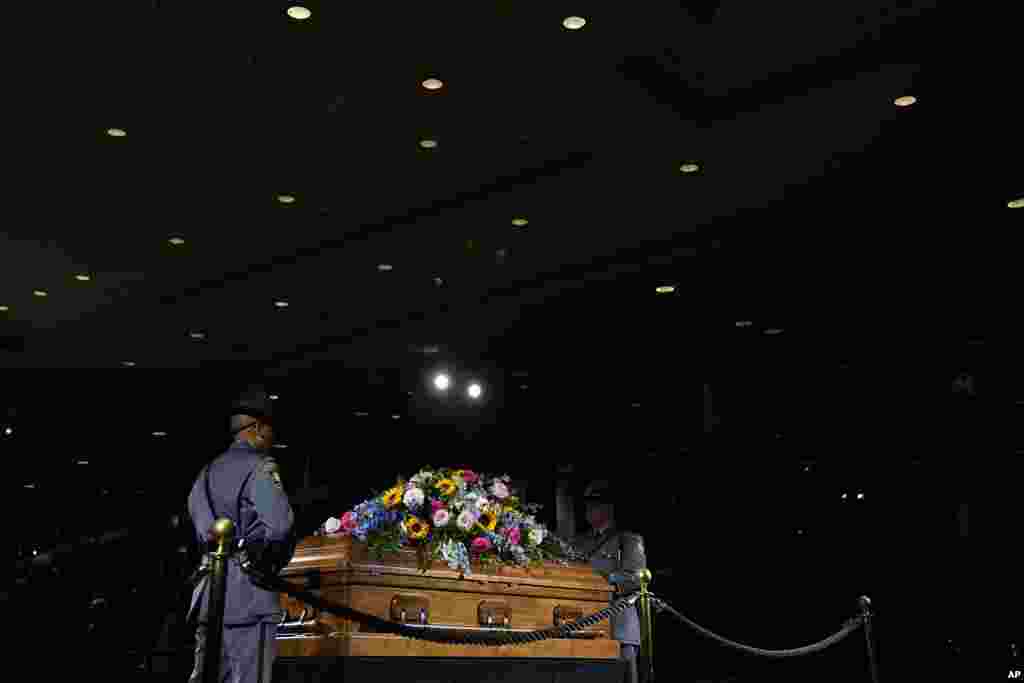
column 457, row 515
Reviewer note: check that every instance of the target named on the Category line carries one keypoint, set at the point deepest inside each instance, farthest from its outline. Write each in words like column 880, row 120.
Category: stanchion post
column 864, row 602
column 645, row 660
column 223, row 534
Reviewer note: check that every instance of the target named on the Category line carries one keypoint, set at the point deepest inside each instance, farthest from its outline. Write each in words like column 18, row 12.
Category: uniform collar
column 244, row 447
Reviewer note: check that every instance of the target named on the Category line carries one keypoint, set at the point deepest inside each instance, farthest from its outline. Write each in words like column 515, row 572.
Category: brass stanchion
column 645, row 660
column 223, row 533
column 865, row 611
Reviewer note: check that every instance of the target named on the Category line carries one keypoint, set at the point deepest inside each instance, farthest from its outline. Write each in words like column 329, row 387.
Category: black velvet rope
column 849, row 627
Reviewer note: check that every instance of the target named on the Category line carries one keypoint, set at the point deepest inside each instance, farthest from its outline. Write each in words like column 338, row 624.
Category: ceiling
column 863, row 232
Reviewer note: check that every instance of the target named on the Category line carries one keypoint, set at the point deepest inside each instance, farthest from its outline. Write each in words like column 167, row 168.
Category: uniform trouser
column 628, row 654
column 247, row 657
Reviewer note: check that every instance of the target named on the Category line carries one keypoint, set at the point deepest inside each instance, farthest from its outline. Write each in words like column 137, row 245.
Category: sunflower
column 447, row 487
column 488, row 520
column 393, row 497
column 416, row 528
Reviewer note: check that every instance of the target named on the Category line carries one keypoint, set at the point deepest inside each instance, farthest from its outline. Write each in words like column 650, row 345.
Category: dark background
column 842, row 319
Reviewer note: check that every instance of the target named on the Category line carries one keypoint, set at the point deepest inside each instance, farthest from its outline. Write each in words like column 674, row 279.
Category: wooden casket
column 341, row 570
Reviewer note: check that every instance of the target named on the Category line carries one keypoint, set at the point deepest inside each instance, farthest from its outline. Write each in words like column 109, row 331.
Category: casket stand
column 316, row 644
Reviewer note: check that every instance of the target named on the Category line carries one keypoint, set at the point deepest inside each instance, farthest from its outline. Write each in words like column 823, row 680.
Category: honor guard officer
column 244, row 485
column 613, row 552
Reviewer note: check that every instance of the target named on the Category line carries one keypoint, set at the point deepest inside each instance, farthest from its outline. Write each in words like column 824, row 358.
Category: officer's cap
column 599, row 491
column 254, row 402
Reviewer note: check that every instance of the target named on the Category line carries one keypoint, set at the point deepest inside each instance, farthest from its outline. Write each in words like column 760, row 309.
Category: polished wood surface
column 340, row 570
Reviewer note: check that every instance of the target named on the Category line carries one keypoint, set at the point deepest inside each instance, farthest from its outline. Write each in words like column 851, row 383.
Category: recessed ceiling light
column 636, row 405
column 83, row 462
column 384, row 267
column 665, row 289
column 159, row 433
column 299, row 13
column 1016, row 203
column 128, row 363
column 519, row 222
column 30, row 486
column 82, row 278
column 281, row 304
column 361, row 414
column 905, row 101
column 4, row 309
column 574, row 23
column 197, row 335
column 39, row 292
column 116, row 132
column 773, row 330
column 428, row 144
column 274, row 397
column 743, row 323
column 689, row 168
column 396, row 417
column 286, row 198
column 176, row 241
column 432, row 84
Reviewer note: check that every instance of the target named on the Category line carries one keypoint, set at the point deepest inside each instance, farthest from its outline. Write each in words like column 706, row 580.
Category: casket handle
column 490, row 612
column 405, row 608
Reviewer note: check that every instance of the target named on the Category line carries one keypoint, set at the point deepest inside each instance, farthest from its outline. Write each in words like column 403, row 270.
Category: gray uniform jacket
column 625, row 627
column 244, row 483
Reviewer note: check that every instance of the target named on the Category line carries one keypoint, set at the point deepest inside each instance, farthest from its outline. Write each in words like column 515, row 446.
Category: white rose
column 442, row 517
column 499, row 490
column 413, row 498
column 332, row 525
column 466, row 520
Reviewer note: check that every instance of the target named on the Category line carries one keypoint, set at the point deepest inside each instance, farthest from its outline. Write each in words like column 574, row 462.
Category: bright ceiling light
column 428, row 144
column 281, row 304
column 665, row 289
column 39, row 292
column 905, row 101
column 773, row 330
column 159, row 433
column 361, row 414
column 442, row 382
column 274, row 397
column 197, row 335
column 128, row 363
column 4, row 309
column 574, row 23
column 519, row 222
column 383, row 267
column 280, row 445
column 299, row 13
column 82, row 278
column 83, row 462
column 396, row 417
column 438, row 281
column 474, row 390
column 176, row 241
column 743, row 323
column 432, row 84
column 1016, row 203
column 286, row 199
column 116, row 132
column 689, row 168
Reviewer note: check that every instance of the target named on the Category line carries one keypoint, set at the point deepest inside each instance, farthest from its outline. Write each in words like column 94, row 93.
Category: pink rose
column 435, row 505
column 480, row 544
column 348, row 522
column 514, row 536
column 470, row 476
